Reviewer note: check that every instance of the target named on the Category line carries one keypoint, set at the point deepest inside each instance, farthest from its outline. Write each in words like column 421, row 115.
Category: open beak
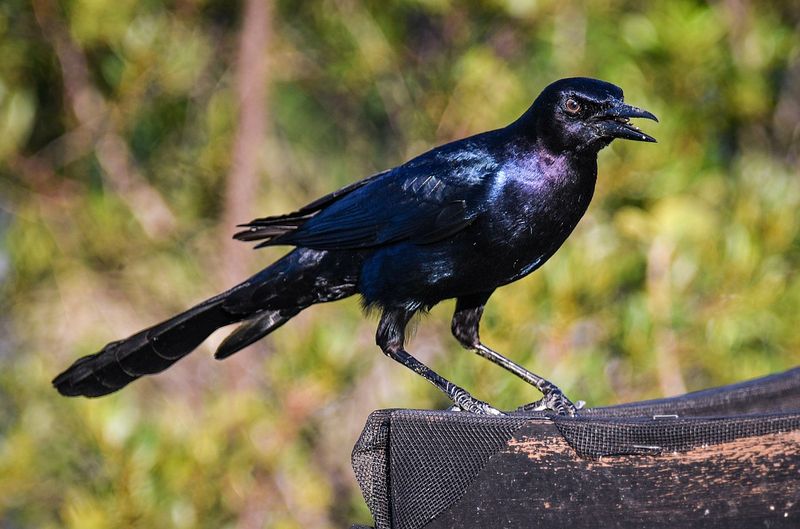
column 615, row 122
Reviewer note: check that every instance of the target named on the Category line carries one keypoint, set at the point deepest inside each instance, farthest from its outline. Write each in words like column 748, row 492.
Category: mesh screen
column 425, row 481
column 774, row 393
column 427, row 477
column 596, row 437
column 370, row 459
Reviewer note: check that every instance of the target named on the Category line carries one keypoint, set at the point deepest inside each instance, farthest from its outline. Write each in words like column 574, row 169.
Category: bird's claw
column 555, row 401
column 463, row 401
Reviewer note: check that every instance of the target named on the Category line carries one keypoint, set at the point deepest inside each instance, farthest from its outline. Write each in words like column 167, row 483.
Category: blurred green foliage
column 117, row 120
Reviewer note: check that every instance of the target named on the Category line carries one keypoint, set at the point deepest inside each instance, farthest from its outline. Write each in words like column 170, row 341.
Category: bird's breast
column 538, row 209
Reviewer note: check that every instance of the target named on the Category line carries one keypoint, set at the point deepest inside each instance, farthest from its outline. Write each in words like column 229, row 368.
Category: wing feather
column 423, row 202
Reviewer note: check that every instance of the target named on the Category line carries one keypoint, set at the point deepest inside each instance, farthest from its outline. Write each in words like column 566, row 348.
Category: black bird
column 456, row 222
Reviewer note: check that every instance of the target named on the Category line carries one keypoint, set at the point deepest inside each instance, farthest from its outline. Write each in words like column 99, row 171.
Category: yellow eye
column 572, row 106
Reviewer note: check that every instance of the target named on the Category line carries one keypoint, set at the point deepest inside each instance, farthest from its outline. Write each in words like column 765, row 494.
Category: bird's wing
column 423, row 202
column 268, row 228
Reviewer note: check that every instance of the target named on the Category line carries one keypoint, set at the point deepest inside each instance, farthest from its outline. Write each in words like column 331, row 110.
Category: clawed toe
column 486, row 409
column 555, row 401
column 479, row 407
column 463, row 401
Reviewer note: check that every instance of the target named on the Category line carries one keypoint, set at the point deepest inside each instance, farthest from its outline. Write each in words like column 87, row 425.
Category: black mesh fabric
column 773, row 393
column 412, row 465
column 446, row 473
column 370, row 459
column 596, row 437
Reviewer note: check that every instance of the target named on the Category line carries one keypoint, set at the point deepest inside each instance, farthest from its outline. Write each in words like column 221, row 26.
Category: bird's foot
column 554, row 400
column 463, row 401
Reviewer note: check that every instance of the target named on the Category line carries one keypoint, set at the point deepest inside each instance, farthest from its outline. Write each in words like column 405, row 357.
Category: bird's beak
column 615, row 122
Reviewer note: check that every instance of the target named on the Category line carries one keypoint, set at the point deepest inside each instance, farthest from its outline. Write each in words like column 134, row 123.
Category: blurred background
column 134, row 135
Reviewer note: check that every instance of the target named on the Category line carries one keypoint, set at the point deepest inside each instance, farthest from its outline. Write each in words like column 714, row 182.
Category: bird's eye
column 572, row 106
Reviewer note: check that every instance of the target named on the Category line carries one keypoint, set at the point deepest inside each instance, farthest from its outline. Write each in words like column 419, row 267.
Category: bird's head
column 579, row 114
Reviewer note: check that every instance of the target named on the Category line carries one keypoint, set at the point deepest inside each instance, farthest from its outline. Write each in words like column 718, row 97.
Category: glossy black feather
column 253, row 330
column 271, row 227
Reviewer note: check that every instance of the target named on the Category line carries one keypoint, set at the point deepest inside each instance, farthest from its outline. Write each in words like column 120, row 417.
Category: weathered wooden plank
column 538, row 480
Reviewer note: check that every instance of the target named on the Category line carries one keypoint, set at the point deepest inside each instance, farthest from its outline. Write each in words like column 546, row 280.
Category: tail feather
column 146, row 352
column 267, row 300
column 253, row 330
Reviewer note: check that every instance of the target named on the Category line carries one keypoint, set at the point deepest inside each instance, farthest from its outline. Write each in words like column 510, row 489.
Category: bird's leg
column 391, row 337
column 466, row 321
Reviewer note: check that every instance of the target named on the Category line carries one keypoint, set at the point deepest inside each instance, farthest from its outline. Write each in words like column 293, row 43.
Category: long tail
column 264, row 302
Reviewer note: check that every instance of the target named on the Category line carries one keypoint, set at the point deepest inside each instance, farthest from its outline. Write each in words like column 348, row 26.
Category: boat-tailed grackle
column 458, row 222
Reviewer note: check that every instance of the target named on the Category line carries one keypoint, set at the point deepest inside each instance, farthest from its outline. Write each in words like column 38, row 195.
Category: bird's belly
column 530, row 231
column 419, row 276
column 414, row 276
column 516, row 239
column 516, row 258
